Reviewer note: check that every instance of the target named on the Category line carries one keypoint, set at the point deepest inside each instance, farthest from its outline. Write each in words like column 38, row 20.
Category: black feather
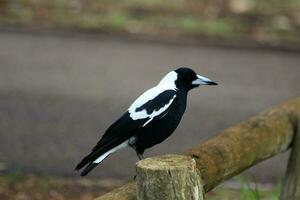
column 99, row 150
column 90, row 166
column 120, row 131
column 158, row 102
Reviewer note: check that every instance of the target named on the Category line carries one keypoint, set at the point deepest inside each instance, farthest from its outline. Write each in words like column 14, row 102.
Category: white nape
column 169, row 80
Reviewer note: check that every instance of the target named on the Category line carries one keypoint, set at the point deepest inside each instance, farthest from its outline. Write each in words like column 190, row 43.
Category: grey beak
column 201, row 80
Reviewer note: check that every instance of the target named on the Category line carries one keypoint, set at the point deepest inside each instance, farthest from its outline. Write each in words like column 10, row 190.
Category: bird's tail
column 87, row 159
column 89, row 168
column 97, row 155
column 91, row 160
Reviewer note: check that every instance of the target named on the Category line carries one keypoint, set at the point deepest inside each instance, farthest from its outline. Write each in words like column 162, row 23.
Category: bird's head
column 186, row 79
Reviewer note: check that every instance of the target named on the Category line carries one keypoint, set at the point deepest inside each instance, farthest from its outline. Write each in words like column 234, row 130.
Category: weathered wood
column 291, row 186
column 238, row 147
column 168, row 177
column 246, row 144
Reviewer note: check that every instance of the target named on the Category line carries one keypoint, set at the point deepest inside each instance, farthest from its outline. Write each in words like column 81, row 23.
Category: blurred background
column 69, row 68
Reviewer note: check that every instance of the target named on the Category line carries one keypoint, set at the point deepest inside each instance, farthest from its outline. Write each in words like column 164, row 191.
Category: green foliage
column 118, row 20
column 248, row 192
column 252, row 192
column 275, row 192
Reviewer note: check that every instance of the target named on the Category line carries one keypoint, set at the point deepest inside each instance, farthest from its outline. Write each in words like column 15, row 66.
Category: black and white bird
column 149, row 120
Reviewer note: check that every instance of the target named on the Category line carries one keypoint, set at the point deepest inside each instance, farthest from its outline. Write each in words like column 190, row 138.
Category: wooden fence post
column 291, row 187
column 238, row 148
column 168, row 177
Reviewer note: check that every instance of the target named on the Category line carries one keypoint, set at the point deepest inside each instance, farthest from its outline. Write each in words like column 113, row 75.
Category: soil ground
column 32, row 187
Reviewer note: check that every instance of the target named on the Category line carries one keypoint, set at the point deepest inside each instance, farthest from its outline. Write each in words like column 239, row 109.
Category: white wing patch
column 156, row 113
column 144, row 98
column 167, row 83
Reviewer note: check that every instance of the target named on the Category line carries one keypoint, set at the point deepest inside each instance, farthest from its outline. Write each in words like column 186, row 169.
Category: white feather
column 120, row 146
column 156, row 113
column 167, row 83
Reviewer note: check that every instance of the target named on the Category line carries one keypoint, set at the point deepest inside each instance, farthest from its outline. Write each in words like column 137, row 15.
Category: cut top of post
column 168, row 162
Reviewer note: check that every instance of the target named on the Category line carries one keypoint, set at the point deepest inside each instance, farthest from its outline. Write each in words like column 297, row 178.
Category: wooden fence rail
column 220, row 158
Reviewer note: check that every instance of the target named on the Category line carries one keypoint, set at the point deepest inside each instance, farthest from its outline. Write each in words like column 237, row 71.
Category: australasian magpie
column 149, row 120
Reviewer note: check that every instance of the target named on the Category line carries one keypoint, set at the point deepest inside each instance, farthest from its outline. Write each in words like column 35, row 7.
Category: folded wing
column 140, row 113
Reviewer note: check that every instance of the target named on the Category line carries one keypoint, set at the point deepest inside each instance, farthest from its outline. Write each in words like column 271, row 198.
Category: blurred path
column 58, row 94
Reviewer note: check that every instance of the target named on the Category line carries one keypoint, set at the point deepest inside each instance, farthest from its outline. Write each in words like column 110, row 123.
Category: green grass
column 248, row 191
column 253, row 193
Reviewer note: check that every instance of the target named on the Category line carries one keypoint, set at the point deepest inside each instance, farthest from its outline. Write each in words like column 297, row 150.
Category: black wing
column 158, row 102
column 120, row 131
column 125, row 127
